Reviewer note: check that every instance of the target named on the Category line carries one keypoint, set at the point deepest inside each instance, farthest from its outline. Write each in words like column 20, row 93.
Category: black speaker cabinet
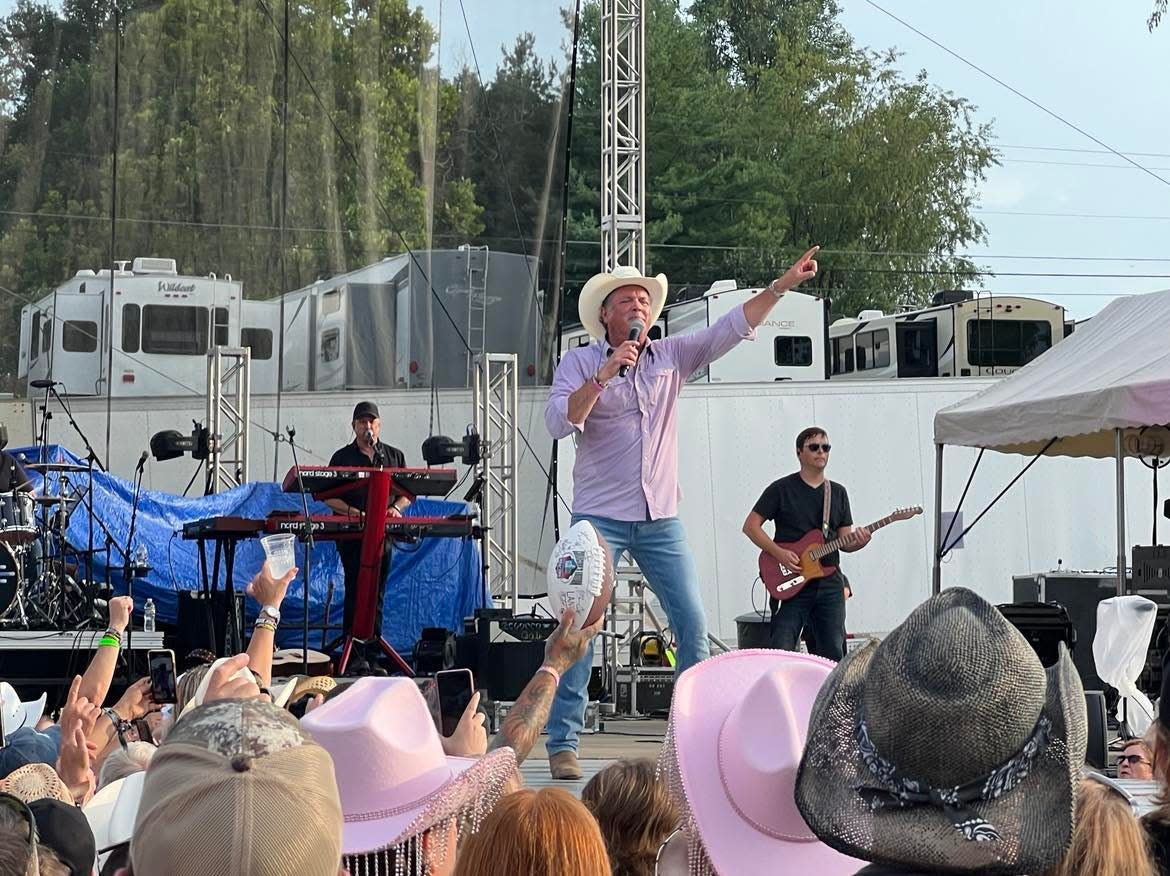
column 192, row 622
column 753, row 631
column 1079, row 593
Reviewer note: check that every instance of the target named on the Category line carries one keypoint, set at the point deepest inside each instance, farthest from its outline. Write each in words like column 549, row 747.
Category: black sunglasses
column 814, row 447
column 1131, row 758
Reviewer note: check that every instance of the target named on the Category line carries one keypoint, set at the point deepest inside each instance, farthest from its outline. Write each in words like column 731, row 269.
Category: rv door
column 77, row 343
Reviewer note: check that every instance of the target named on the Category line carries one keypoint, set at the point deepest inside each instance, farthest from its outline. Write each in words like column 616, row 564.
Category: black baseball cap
column 366, row 409
column 65, row 830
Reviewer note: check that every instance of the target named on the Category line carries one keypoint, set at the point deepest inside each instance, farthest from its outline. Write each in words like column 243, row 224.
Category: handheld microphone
column 43, row 384
column 292, row 433
column 636, row 328
column 370, row 437
column 142, row 462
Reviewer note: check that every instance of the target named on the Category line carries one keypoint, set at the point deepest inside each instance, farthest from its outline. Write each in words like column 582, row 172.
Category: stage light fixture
column 439, row 449
column 171, row 443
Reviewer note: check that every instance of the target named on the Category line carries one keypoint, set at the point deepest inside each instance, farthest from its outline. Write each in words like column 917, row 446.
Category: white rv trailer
column 163, row 326
column 377, row 327
column 790, row 344
column 960, row 336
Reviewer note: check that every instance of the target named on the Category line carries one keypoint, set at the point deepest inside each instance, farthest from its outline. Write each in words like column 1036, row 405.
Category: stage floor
column 622, row 737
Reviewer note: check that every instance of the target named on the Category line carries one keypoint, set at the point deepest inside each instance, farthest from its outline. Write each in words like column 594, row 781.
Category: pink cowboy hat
column 395, row 781
column 737, row 729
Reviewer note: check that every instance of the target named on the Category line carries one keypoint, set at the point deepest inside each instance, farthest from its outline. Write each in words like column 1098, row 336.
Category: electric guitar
column 784, row 583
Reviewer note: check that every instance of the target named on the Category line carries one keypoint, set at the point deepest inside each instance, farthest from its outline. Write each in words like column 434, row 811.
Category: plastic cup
column 281, row 553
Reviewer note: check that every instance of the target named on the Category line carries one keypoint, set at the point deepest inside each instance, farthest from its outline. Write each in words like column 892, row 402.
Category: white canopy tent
column 1102, row 392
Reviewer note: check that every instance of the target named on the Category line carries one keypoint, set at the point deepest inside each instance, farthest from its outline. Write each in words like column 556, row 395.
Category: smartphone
column 455, row 689
column 162, row 675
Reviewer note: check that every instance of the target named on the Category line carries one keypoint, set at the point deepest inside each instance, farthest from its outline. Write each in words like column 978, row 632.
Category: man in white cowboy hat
column 619, row 397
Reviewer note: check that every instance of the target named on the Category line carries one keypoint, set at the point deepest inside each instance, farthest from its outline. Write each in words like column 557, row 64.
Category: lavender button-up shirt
column 627, row 448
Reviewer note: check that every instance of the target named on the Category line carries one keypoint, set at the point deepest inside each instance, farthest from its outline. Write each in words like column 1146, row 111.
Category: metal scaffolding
column 623, row 146
column 229, row 409
column 496, row 403
column 477, row 280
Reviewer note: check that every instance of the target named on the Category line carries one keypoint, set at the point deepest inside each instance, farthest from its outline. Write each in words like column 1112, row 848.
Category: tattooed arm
column 528, row 715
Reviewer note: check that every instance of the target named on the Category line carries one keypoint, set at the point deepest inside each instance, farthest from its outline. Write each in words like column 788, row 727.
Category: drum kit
column 37, row 565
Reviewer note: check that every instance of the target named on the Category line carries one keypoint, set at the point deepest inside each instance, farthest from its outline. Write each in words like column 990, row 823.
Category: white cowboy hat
column 19, row 714
column 600, row 285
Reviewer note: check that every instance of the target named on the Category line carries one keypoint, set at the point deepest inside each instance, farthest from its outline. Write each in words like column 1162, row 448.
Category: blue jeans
column 660, row 549
column 820, row 608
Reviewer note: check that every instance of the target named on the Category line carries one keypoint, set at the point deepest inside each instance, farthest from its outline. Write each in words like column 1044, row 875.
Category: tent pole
column 936, row 578
column 1120, row 457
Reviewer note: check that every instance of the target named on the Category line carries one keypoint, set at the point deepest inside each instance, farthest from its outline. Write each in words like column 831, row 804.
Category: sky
column 1067, row 220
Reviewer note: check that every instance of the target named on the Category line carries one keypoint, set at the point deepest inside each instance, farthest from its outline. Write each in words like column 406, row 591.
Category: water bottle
column 148, row 616
column 141, row 558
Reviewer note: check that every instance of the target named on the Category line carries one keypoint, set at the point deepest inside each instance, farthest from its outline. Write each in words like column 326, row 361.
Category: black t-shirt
column 352, row 455
column 12, row 473
column 795, row 508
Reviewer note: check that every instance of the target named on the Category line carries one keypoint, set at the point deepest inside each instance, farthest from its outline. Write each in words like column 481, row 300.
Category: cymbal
column 54, row 466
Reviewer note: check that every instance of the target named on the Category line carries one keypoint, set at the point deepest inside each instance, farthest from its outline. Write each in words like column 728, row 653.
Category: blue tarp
column 434, row 583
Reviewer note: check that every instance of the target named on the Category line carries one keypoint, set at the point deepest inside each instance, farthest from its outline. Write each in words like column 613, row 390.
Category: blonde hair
column 635, row 814
column 1158, row 739
column 537, row 833
column 1107, row 837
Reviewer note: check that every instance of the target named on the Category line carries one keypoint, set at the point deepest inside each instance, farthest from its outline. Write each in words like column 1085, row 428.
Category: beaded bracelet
column 264, row 624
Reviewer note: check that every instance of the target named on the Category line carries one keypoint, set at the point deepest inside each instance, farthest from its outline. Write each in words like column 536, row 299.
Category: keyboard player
column 365, row 450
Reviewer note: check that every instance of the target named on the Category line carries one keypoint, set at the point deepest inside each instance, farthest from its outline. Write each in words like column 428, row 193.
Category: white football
column 580, row 575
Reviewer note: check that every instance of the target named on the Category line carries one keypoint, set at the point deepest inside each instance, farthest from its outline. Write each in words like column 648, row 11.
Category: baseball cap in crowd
column 27, row 746
column 366, row 409
column 62, row 827
column 240, row 789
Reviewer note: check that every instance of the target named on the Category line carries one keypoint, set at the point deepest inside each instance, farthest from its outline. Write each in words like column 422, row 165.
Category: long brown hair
column 1107, row 838
column 537, row 833
column 635, row 814
column 1158, row 738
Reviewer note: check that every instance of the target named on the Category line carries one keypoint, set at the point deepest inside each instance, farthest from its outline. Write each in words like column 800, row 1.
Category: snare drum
column 18, row 518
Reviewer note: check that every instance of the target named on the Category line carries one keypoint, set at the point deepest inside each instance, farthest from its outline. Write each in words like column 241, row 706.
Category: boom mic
column 142, row 461
column 636, row 329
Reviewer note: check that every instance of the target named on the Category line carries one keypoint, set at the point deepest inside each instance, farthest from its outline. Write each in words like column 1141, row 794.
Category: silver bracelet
column 775, row 294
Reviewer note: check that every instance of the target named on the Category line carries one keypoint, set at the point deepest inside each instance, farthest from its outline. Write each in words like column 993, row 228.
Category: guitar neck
column 836, row 544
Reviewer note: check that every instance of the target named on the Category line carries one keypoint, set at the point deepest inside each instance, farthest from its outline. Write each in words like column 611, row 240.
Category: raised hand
column 470, row 736
column 120, row 610
column 268, row 590
column 223, row 686
column 804, row 268
column 566, row 646
column 137, row 701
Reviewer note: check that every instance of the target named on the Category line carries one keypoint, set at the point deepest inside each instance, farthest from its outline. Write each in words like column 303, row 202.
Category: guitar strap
column 825, row 516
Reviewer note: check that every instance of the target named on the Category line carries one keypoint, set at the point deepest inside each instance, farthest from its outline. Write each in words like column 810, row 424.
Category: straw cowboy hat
column 947, row 747
column 36, row 781
column 737, row 729
column 395, row 781
column 598, row 287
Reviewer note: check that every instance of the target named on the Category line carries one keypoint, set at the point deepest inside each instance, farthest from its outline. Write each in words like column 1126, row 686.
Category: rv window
column 47, row 333
column 794, row 352
column 34, row 339
column 131, row 324
column 259, row 339
column 221, row 327
column 848, row 360
column 331, row 345
column 178, row 330
column 1006, row 343
column 330, row 302
column 842, row 353
column 79, row 336
column 873, row 349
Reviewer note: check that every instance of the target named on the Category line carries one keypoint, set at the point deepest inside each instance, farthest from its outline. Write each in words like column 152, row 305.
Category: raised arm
column 760, row 305
column 528, row 715
column 95, row 684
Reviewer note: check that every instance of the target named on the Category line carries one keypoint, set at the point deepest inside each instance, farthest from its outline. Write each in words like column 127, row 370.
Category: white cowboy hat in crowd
column 19, row 714
column 598, row 287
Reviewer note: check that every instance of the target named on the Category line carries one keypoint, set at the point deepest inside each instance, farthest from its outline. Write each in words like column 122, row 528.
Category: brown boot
column 564, row 765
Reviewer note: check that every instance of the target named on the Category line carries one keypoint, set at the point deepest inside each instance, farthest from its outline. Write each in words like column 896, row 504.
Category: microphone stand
column 92, row 459
column 127, row 570
column 307, row 537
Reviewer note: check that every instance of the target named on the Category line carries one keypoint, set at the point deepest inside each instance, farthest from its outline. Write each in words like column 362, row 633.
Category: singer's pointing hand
column 626, row 354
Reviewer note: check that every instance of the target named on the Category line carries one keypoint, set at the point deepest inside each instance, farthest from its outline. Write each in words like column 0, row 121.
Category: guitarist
column 796, row 503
